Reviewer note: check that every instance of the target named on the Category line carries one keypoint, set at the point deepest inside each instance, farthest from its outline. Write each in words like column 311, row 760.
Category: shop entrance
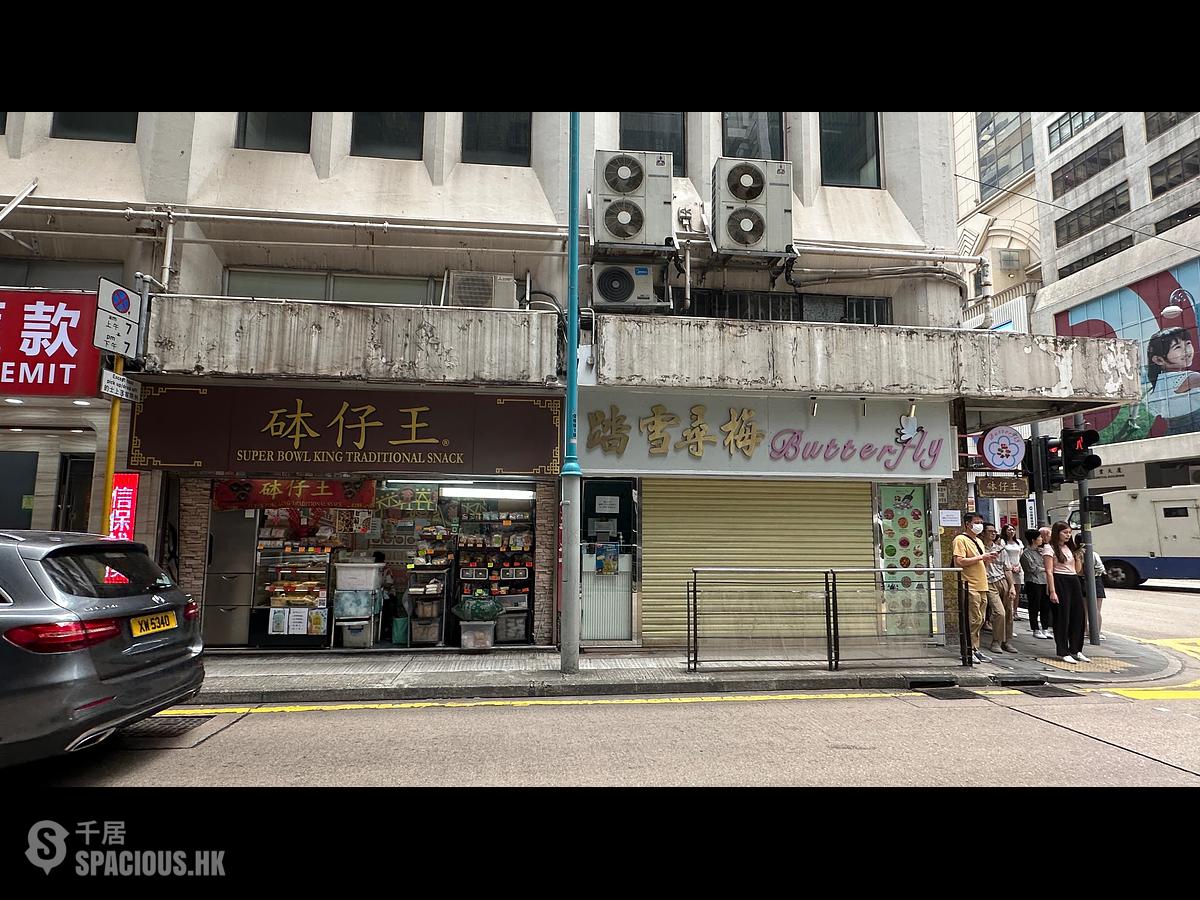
column 368, row 563
column 75, row 472
column 16, row 488
column 610, row 567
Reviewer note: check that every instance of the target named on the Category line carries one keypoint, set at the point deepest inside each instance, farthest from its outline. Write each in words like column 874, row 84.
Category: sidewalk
column 375, row 676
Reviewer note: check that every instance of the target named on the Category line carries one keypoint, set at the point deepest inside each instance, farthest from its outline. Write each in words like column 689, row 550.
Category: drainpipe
column 687, row 278
column 931, row 255
column 167, row 251
column 985, row 269
column 571, row 472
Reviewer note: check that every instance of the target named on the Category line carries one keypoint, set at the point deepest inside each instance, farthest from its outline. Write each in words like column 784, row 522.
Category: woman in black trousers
column 1066, row 594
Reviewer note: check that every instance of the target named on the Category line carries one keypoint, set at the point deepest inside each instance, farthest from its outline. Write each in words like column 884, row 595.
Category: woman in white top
column 1066, row 594
column 1013, row 548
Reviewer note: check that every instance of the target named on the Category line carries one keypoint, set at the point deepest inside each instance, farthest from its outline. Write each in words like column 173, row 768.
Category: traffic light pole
column 1085, row 529
column 1039, row 478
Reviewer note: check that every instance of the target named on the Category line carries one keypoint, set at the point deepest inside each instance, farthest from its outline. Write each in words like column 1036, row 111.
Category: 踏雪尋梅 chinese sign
column 737, row 434
column 303, row 430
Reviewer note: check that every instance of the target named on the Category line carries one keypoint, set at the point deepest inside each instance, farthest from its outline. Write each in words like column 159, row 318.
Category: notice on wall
column 278, row 622
column 607, row 558
column 608, row 505
column 949, row 518
column 297, row 622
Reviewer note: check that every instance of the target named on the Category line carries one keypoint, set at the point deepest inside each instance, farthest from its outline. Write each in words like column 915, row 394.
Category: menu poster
column 607, row 558
column 905, row 539
column 278, row 622
column 297, row 622
column 317, row 621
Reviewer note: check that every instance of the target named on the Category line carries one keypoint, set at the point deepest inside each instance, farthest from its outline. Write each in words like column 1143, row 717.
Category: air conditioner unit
column 752, row 205
column 631, row 197
column 482, row 289
column 621, row 287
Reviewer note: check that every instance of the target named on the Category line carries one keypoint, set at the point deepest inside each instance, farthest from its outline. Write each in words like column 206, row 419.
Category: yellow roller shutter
column 690, row 522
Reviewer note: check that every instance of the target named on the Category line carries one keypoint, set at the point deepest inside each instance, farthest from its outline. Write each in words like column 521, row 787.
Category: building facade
column 1118, row 230
column 360, row 345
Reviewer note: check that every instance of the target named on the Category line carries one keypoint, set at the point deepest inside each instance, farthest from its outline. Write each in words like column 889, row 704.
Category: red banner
column 46, row 344
column 284, row 493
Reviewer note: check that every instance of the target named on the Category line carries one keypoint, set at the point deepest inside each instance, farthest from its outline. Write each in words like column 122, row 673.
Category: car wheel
column 1121, row 575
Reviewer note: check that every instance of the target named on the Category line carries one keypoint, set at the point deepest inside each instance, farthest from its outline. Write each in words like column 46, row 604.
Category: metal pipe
column 932, row 255
column 445, row 284
column 687, row 278
column 170, row 246
column 571, row 472
column 367, row 225
column 985, row 271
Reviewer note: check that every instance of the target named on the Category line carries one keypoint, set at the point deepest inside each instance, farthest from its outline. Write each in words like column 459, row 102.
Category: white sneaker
column 1069, row 658
column 1081, row 657
column 1103, row 638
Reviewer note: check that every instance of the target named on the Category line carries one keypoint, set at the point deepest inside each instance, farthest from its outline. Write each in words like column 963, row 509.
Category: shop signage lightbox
column 267, row 431
column 1003, row 488
column 46, row 344
column 652, row 433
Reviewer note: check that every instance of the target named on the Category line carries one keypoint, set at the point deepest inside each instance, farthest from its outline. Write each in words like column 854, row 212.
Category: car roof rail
column 11, row 537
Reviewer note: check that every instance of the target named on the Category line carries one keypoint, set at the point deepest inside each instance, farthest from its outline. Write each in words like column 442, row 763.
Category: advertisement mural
column 1160, row 313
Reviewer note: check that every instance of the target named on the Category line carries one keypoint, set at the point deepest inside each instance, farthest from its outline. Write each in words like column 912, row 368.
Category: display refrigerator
column 230, row 578
column 292, row 606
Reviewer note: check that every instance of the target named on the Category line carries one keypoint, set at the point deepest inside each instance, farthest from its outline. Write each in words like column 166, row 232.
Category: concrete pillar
column 546, row 562
column 918, row 171
column 548, row 157
column 442, row 148
column 195, row 503
column 164, row 144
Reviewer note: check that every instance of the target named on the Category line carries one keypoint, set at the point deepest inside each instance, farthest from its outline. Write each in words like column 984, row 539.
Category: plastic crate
column 359, row 576
column 352, row 604
column 511, row 627
column 478, row 636
column 425, row 631
column 428, row 609
column 357, row 635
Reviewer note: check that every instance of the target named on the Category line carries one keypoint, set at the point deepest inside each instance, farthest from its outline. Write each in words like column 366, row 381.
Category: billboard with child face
column 1159, row 313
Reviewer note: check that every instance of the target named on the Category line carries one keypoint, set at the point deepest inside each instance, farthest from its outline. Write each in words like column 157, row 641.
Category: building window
column 3, row 121
column 1005, row 141
column 850, row 149
column 288, row 132
column 752, row 135
column 1089, row 163
column 660, row 132
column 1087, row 218
column 1068, row 125
column 388, row 135
column 1160, row 122
column 1092, row 258
column 497, row 138
column 58, row 274
column 292, row 285
column 1175, row 168
column 762, row 306
column 120, row 127
column 1177, row 218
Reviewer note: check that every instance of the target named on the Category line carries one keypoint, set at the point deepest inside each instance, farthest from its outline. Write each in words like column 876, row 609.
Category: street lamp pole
column 571, row 473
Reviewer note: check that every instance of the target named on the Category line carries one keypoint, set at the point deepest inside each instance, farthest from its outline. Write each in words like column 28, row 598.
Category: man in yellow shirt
column 971, row 556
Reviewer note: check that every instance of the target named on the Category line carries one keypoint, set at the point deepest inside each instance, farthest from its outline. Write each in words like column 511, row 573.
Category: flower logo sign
column 1003, row 449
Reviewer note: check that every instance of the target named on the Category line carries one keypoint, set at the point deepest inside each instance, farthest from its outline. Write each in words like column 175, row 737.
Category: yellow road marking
column 461, row 704
column 1187, row 646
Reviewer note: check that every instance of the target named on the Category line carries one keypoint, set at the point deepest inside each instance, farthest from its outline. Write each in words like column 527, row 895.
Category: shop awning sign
column 44, row 349
column 1000, row 488
column 651, row 433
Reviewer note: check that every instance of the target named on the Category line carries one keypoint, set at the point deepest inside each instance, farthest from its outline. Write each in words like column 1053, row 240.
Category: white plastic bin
column 359, row 576
column 357, row 635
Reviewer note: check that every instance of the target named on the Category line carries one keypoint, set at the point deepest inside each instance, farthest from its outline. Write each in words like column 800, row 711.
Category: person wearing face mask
column 970, row 555
column 1035, row 583
column 1066, row 594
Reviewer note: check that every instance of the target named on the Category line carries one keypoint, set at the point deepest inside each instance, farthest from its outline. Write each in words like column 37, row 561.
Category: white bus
column 1153, row 533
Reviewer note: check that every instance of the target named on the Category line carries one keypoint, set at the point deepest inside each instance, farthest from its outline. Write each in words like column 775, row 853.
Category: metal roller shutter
column 690, row 522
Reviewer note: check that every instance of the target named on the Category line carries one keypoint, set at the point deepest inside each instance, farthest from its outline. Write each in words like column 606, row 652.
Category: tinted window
column 1005, row 142
column 1175, row 512
column 100, row 573
column 284, row 131
column 390, row 135
column 849, row 149
column 661, row 132
column 95, row 126
column 752, row 135
column 497, row 138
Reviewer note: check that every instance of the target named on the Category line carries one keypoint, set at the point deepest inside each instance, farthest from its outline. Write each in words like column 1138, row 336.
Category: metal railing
column 809, row 617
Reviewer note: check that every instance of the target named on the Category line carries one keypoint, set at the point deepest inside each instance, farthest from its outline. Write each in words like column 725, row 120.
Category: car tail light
column 192, row 610
column 63, row 637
